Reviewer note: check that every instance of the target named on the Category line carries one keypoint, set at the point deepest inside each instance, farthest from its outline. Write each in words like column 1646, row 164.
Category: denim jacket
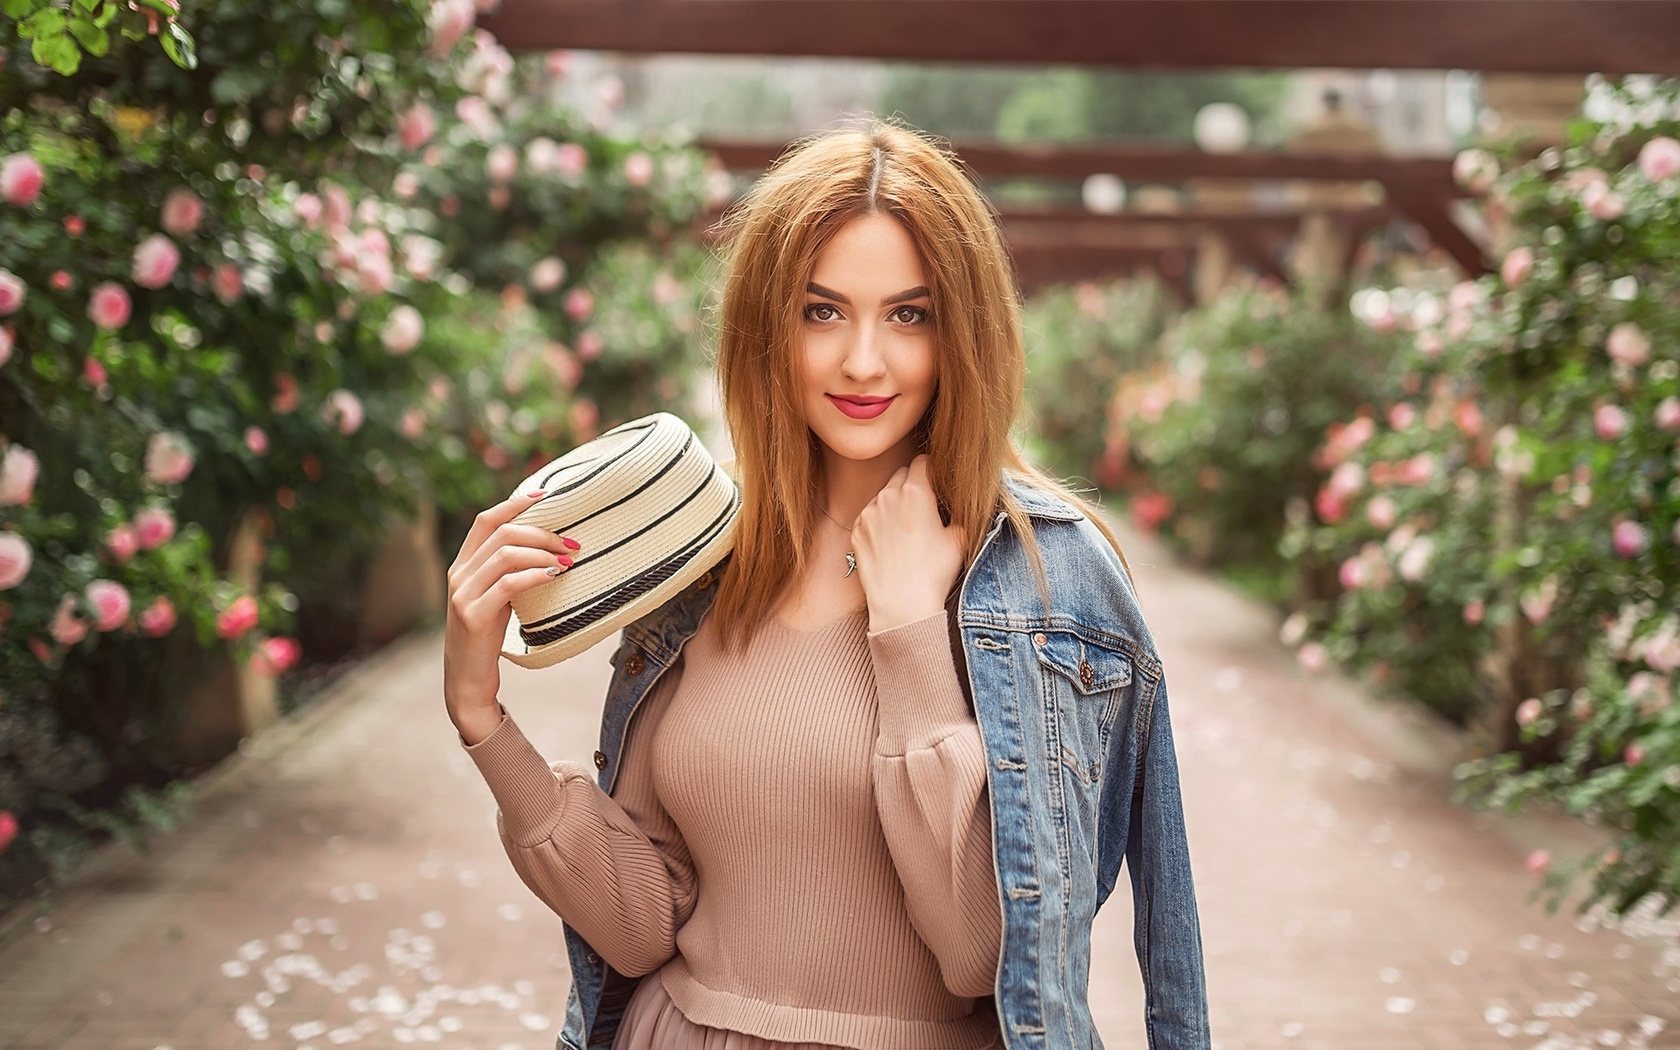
column 1072, row 707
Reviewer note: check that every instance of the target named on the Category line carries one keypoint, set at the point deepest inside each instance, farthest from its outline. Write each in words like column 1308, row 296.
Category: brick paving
column 341, row 883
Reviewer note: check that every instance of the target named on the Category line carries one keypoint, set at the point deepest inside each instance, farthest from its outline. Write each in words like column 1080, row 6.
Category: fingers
column 505, row 572
column 488, row 520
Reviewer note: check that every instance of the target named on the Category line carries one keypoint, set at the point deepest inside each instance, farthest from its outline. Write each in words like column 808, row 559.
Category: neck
column 849, row 484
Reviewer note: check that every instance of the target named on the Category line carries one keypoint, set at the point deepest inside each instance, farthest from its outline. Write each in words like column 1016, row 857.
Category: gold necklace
column 851, row 558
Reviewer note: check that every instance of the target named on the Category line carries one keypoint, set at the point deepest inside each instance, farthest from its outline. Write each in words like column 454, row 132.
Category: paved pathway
column 342, row 884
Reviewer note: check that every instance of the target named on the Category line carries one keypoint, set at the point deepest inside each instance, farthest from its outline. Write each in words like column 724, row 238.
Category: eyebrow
column 918, row 292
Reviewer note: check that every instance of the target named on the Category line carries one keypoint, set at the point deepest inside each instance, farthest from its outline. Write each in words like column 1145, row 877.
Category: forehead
column 870, row 252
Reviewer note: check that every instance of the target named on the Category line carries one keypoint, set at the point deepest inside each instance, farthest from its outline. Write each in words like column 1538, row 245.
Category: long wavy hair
column 772, row 238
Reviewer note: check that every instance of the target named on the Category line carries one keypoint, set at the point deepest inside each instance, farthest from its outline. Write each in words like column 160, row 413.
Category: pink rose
column 1519, row 262
column 21, row 178
column 1539, row 861
column 155, row 260
column 416, row 126
column 275, row 656
column 1381, row 512
column 228, row 282
column 1402, row 416
column 61, row 281
column 1628, row 344
column 308, row 208
column 256, row 441
column 403, row 330
column 110, row 603
column 448, row 21
column 589, row 345
column 1659, row 159
column 638, row 169
column 1610, row 422
column 8, row 828
column 19, row 468
column 1633, row 754
column 1354, row 573
column 1668, row 414
column 557, row 62
column 93, row 372
column 580, row 304
column 182, row 212
column 1537, row 602
column 1475, row 170
column 1312, row 657
column 1603, row 203
column 1474, row 611
column 584, row 415
column 12, row 292
column 7, row 341
column 1630, row 539
column 475, row 113
column 548, row 274
column 405, row 185
column 285, row 394
column 15, row 559
column 502, row 164
column 67, row 628
column 337, row 206
column 237, row 618
column 109, row 305
column 344, row 410
column 542, row 155
column 1528, row 711
column 122, row 542
column 158, row 618
column 154, row 527
column 571, row 159
column 169, row 459
column 412, row 424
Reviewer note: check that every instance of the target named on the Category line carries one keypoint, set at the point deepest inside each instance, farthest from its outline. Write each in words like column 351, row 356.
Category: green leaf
column 57, row 53
column 178, row 44
column 94, row 39
column 87, row 6
column 48, row 22
column 18, row 9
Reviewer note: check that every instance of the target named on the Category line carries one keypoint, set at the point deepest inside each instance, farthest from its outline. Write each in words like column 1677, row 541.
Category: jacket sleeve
column 1167, row 932
column 614, row 867
column 930, row 793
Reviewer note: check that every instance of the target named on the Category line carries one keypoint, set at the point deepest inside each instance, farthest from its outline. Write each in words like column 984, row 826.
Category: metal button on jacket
column 633, row 664
column 704, row 581
column 1085, row 673
column 600, row 760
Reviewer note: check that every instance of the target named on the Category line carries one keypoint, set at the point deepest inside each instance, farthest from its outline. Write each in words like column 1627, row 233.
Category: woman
column 873, row 798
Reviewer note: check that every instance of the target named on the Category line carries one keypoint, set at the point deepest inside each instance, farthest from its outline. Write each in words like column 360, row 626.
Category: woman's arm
column 614, row 867
column 930, row 791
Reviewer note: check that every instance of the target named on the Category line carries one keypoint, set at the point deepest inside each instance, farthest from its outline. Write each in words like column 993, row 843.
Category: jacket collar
column 1037, row 502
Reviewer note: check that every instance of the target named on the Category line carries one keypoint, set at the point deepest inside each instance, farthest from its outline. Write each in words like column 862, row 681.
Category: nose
column 863, row 359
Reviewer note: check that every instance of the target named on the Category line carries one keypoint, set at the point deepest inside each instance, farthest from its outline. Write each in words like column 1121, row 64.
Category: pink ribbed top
column 799, row 842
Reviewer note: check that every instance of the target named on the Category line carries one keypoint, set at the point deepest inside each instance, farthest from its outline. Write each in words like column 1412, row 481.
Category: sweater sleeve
column 614, row 867
column 930, row 791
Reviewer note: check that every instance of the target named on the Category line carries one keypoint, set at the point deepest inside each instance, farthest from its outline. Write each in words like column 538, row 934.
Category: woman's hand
column 497, row 560
column 907, row 558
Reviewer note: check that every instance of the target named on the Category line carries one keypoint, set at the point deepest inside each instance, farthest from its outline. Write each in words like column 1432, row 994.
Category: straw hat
column 652, row 510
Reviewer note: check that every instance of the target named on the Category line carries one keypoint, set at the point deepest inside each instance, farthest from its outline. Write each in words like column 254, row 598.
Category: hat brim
column 514, row 647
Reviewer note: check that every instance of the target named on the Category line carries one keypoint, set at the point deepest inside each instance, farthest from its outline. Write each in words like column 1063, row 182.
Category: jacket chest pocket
column 1084, row 685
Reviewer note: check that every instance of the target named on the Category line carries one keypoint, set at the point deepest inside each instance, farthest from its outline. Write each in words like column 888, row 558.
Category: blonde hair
column 772, row 238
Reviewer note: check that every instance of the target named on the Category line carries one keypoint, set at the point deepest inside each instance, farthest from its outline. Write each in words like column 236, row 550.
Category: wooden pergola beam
column 1534, row 36
column 1430, row 213
column 1146, row 163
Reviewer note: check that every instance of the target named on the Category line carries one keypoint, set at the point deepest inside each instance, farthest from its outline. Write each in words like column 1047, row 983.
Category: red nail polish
column 566, row 560
column 568, row 541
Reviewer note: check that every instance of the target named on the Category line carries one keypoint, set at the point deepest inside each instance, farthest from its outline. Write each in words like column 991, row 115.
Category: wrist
column 475, row 723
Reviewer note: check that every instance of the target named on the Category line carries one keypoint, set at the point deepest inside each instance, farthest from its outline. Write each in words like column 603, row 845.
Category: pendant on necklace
column 851, row 563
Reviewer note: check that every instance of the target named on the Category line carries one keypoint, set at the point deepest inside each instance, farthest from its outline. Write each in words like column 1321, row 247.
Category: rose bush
column 1542, row 414
column 238, row 297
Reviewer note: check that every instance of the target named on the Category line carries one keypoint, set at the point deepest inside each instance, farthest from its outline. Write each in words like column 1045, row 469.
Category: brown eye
column 909, row 315
column 815, row 312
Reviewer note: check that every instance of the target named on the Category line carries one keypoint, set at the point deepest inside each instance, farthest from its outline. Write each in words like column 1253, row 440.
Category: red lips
column 859, row 407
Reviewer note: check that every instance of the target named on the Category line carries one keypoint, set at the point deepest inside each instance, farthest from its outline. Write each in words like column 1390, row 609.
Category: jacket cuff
column 921, row 699
column 526, row 788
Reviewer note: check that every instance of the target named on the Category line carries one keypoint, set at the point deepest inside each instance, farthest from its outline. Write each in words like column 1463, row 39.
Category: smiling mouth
column 857, row 408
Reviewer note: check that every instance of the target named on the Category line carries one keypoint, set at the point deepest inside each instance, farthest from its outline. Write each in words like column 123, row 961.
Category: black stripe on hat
column 631, row 590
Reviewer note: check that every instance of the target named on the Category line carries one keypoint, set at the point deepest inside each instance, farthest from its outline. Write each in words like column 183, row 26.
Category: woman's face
column 866, row 350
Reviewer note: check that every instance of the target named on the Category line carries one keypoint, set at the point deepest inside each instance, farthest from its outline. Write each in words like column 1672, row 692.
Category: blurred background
column 1362, row 320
